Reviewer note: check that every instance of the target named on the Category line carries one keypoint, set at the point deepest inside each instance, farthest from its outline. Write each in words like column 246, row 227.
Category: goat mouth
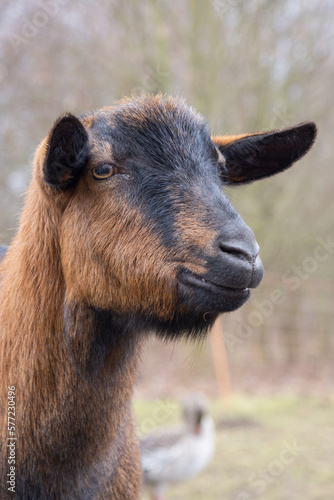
column 191, row 279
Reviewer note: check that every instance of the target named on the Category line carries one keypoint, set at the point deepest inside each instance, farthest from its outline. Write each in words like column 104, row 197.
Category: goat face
column 145, row 229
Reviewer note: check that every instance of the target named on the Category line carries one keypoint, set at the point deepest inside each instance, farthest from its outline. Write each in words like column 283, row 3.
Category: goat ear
column 255, row 156
column 67, row 153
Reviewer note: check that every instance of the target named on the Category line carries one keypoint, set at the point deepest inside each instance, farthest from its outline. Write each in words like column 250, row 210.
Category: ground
column 271, row 448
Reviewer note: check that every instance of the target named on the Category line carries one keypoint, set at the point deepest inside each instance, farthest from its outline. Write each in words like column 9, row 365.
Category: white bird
column 174, row 455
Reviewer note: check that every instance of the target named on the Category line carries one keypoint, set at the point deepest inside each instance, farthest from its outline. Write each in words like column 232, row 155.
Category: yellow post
column 220, row 360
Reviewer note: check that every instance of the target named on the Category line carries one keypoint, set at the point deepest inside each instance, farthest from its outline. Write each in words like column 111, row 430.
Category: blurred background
column 247, row 66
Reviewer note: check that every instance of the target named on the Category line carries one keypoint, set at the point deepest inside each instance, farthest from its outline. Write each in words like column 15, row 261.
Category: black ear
column 67, row 153
column 252, row 157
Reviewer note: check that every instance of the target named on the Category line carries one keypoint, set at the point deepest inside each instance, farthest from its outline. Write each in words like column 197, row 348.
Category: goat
column 125, row 230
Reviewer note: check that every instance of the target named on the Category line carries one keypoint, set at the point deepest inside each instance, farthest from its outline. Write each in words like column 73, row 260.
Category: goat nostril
column 237, row 251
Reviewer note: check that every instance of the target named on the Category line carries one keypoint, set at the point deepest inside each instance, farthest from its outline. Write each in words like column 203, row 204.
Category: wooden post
column 220, row 360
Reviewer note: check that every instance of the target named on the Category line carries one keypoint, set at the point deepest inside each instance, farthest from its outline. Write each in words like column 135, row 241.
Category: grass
column 279, row 448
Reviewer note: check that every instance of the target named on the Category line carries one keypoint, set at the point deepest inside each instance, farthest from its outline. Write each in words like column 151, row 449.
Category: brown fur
column 51, row 398
column 224, row 140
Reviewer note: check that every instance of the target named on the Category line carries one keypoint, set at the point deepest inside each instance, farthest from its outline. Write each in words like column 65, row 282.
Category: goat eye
column 103, row 171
